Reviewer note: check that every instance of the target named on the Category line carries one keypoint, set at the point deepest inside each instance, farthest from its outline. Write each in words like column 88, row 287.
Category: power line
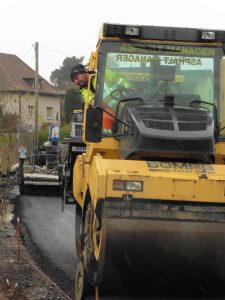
column 54, row 50
column 27, row 52
column 50, row 49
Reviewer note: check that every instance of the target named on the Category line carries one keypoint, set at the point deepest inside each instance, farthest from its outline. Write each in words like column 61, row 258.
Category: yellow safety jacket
column 113, row 80
column 89, row 96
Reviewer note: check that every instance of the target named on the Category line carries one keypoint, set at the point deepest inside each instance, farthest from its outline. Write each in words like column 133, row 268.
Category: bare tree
column 8, row 142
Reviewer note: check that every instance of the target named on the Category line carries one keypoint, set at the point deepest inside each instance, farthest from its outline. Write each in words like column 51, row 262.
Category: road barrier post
column 18, row 238
column 96, row 293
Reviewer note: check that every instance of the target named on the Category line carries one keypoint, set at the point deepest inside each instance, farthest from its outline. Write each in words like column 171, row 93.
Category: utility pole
column 20, row 108
column 36, row 83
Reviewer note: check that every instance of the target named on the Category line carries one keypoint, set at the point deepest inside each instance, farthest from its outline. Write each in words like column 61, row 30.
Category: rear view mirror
column 93, row 125
column 164, row 73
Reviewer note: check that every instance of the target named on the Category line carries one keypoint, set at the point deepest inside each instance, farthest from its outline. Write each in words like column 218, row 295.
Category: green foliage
column 7, row 139
column 65, row 131
column 8, row 122
column 60, row 78
column 73, row 100
column 43, row 134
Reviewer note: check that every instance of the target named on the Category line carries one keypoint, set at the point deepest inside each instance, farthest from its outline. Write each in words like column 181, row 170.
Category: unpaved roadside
column 20, row 278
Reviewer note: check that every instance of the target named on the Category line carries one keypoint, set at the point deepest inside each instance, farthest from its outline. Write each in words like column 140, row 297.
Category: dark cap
column 76, row 70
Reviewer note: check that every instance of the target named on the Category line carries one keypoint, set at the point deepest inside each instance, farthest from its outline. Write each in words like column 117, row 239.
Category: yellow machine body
column 149, row 214
column 174, row 181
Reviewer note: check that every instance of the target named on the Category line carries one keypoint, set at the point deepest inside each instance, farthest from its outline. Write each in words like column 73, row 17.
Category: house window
column 39, row 84
column 31, row 81
column 30, row 111
column 49, row 112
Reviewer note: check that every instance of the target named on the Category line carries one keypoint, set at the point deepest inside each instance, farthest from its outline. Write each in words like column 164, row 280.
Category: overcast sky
column 70, row 27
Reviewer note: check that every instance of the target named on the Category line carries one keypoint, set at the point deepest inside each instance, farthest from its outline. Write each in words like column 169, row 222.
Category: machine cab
column 162, row 69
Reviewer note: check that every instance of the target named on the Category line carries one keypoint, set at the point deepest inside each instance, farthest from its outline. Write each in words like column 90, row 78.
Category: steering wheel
column 121, row 93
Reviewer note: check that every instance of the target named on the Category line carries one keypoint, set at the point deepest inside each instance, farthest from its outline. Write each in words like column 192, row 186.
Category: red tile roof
column 15, row 75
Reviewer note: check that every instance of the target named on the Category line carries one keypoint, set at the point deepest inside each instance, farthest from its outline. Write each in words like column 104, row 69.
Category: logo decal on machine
column 179, row 167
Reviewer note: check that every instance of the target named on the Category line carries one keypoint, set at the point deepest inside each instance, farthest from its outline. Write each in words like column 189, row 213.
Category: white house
column 17, row 93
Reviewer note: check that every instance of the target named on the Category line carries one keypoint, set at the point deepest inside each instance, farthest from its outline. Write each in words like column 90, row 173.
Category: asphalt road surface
column 49, row 234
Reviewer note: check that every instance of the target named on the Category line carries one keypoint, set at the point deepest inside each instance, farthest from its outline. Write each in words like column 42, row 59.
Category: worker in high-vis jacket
column 113, row 80
column 80, row 77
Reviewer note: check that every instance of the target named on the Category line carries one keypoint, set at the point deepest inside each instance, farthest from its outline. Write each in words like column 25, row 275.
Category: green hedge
column 6, row 139
column 43, row 134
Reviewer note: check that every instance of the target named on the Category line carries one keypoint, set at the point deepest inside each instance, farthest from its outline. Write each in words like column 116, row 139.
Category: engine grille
column 167, row 118
column 158, row 125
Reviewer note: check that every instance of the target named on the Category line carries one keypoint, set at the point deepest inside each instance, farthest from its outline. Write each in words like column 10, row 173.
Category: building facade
column 17, row 94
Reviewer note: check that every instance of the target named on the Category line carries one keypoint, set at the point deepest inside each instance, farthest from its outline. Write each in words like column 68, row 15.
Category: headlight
column 134, row 186
column 132, row 31
column 127, row 185
column 208, row 35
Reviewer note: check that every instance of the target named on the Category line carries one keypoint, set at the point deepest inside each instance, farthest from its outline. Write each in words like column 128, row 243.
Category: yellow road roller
column 151, row 184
